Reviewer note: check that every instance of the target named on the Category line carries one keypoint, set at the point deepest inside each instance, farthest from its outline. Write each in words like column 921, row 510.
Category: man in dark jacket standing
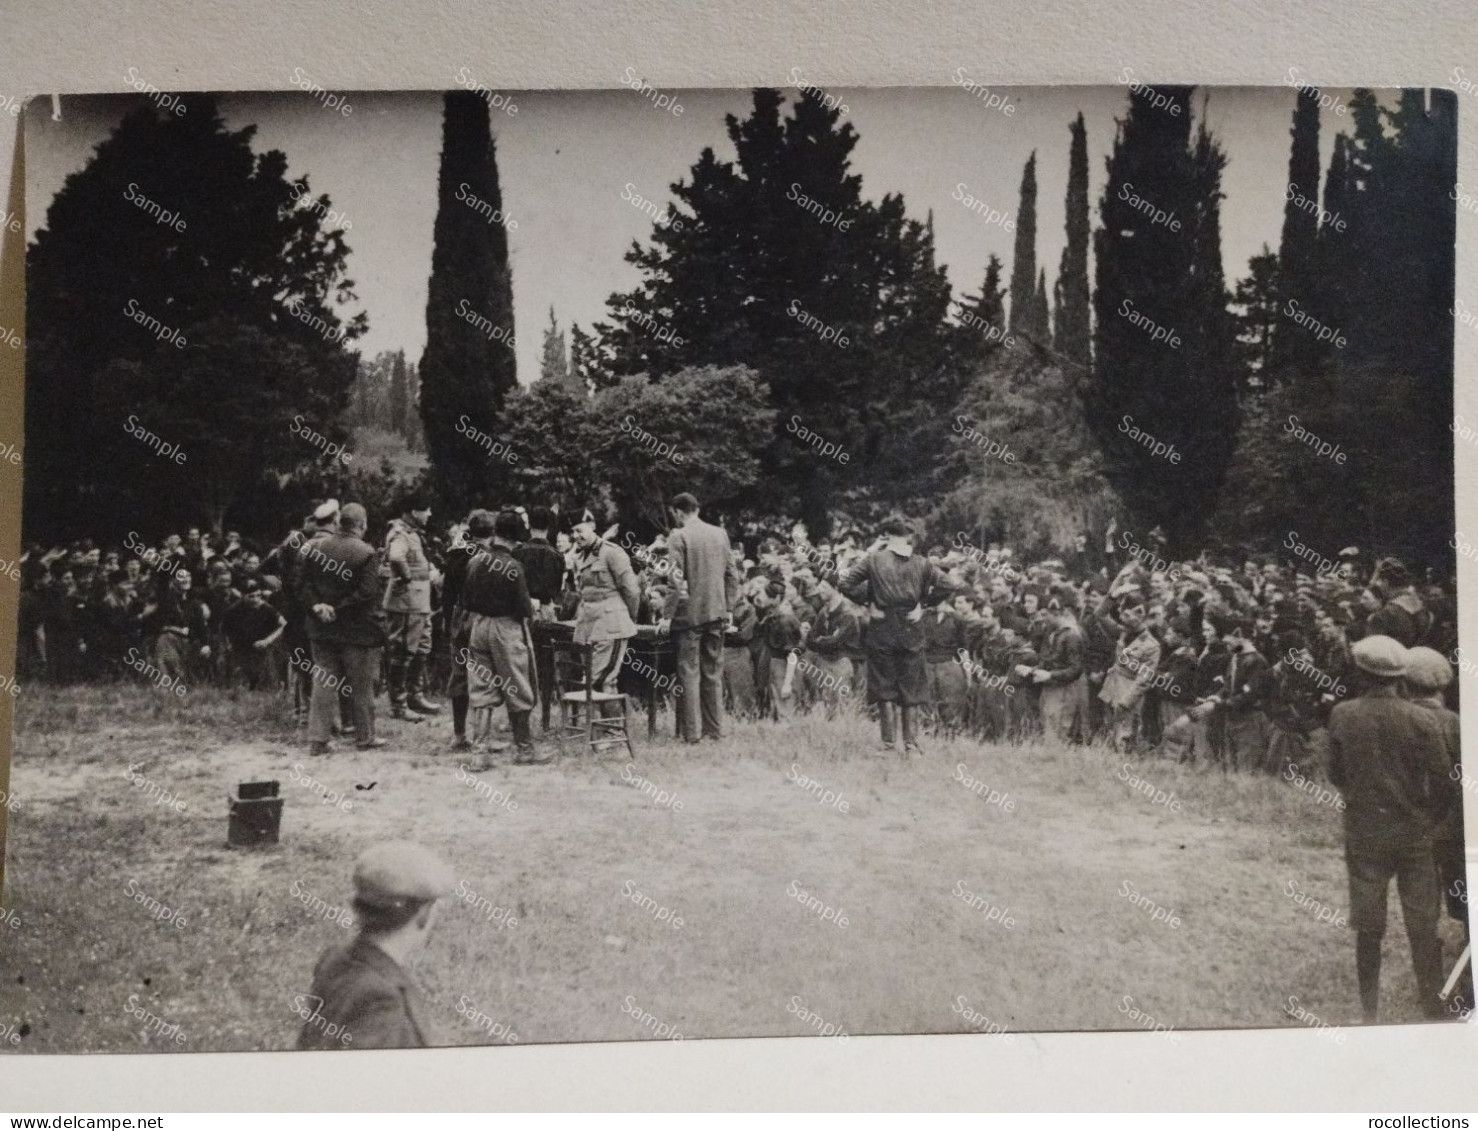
column 362, row 998
column 408, row 613
column 892, row 581
column 1389, row 758
column 701, row 559
column 339, row 586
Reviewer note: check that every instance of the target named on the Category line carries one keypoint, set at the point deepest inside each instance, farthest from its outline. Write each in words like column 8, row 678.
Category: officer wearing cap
column 362, row 998
column 1389, row 758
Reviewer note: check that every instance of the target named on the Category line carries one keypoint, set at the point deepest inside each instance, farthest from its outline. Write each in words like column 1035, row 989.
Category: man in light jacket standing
column 701, row 561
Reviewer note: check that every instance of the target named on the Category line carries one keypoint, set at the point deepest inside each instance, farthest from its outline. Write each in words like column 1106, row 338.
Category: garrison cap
column 327, row 512
column 399, row 872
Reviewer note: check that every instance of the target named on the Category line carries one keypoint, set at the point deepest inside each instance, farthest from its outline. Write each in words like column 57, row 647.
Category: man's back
column 701, row 551
column 360, row 993
column 1389, row 757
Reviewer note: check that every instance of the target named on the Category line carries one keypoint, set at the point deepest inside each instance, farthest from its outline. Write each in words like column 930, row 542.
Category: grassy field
column 926, row 870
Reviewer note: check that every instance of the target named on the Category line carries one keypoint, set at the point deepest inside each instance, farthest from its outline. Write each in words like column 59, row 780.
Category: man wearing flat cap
column 362, row 997
column 1389, row 758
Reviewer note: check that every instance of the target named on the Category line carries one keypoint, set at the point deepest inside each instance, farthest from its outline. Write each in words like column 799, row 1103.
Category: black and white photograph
column 509, row 566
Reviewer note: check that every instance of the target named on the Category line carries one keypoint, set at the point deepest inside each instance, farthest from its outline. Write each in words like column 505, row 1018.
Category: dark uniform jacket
column 364, row 991
column 944, row 636
column 835, row 634
column 896, row 585
column 1062, row 657
column 495, row 585
column 1390, row 759
column 1249, row 681
column 544, row 569
column 342, row 571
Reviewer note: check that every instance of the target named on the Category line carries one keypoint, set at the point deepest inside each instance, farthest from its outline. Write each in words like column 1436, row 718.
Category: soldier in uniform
column 893, row 581
column 1390, row 759
column 1062, row 676
column 408, row 613
column 362, row 997
column 495, row 600
column 609, row 599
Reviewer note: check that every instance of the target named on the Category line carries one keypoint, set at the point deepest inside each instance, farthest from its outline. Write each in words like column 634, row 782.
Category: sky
column 565, row 157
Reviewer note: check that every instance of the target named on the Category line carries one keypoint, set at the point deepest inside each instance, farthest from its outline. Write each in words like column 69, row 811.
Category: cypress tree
column 1040, row 329
column 399, row 394
column 1071, row 334
column 1296, row 349
column 1164, row 345
column 469, row 365
column 1024, row 257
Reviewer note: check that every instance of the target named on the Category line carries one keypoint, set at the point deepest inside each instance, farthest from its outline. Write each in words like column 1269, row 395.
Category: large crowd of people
column 1233, row 662
column 1258, row 663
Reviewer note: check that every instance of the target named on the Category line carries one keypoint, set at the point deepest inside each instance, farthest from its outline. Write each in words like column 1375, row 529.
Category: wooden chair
column 581, row 705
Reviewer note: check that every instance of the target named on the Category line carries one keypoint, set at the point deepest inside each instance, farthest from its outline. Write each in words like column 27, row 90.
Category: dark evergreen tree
column 249, row 282
column 554, row 362
column 1164, row 347
column 983, row 317
column 1256, row 302
column 1072, row 333
column 1040, row 327
column 469, row 365
column 1294, row 349
column 1024, row 257
column 399, row 394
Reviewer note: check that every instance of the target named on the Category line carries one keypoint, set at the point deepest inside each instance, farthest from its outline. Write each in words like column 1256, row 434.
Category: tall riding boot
column 395, row 678
column 415, row 683
column 910, row 728
column 887, row 721
column 523, row 740
column 1426, row 964
column 1367, row 970
column 460, row 703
